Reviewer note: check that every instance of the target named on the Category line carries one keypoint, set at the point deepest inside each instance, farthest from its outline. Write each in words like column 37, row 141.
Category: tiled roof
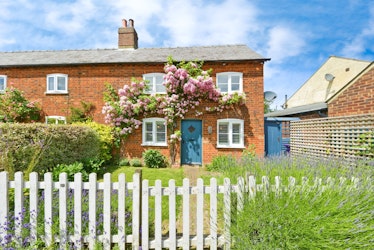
column 141, row 55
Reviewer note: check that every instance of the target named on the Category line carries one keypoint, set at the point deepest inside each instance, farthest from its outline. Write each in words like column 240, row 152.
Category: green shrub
column 45, row 146
column 136, row 162
column 222, row 163
column 70, row 170
column 106, row 140
column 82, row 114
column 154, row 159
column 124, row 162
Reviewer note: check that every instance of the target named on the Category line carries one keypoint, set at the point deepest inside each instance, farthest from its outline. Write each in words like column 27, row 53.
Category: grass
column 152, row 174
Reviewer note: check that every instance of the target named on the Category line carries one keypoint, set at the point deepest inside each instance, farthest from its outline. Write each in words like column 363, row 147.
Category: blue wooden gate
column 273, row 138
column 277, row 135
column 191, row 149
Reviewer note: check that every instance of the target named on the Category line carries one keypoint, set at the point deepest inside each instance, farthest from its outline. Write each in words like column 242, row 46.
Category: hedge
column 45, row 146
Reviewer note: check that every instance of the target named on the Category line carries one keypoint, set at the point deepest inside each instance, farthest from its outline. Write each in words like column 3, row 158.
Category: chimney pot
column 131, row 22
column 124, row 23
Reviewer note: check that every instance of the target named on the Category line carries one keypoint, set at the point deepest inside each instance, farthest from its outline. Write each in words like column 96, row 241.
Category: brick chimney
column 127, row 36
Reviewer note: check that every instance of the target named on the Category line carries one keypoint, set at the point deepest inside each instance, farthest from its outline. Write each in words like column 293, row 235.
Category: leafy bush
column 106, row 139
column 14, row 107
column 136, row 162
column 83, row 114
column 366, row 144
column 46, row 146
column 70, row 170
column 154, row 159
column 124, row 162
column 222, row 163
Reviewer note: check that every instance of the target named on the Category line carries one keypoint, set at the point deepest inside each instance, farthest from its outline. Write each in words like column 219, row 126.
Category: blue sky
column 298, row 36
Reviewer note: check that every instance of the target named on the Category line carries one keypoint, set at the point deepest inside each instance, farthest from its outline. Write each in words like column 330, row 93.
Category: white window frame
column 4, row 77
column 55, row 84
column 152, row 83
column 154, row 122
column 56, row 119
column 230, row 143
column 229, row 83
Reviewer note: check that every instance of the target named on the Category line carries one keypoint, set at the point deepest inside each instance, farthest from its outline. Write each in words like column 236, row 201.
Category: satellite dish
column 269, row 96
column 329, row 77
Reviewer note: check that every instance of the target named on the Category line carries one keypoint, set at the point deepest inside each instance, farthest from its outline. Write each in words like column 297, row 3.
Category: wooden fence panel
column 330, row 136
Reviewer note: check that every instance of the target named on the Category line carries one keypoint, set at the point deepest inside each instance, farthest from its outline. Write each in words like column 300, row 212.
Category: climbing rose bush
column 187, row 87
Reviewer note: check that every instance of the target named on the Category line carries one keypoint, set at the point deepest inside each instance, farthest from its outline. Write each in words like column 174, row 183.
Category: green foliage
column 337, row 218
column 70, row 170
column 366, row 144
column 124, row 162
column 46, row 145
column 154, row 159
column 14, row 107
column 222, row 163
column 106, row 138
column 83, row 113
column 136, row 162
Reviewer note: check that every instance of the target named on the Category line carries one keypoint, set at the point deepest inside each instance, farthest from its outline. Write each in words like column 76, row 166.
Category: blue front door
column 191, row 149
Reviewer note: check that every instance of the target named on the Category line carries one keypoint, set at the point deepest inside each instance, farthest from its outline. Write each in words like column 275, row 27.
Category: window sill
column 153, row 145
column 56, row 93
column 230, row 146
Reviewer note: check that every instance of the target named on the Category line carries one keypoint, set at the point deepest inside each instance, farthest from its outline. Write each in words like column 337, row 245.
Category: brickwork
column 87, row 83
column 356, row 99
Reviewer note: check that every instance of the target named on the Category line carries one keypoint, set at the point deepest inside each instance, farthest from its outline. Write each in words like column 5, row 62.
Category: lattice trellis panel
column 331, row 136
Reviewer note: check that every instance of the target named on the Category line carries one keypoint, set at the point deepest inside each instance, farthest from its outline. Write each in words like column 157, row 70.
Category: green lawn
column 152, row 174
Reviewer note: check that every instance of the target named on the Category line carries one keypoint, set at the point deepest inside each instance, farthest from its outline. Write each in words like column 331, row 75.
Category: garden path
column 193, row 173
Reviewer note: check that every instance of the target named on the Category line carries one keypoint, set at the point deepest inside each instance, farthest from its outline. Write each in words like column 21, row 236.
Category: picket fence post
column 4, row 208
column 122, row 211
column 78, row 187
column 18, row 205
column 136, row 209
column 107, row 239
column 172, row 216
column 48, row 205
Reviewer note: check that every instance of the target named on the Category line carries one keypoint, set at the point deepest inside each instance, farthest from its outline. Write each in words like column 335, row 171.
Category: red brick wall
column 356, row 99
column 87, row 83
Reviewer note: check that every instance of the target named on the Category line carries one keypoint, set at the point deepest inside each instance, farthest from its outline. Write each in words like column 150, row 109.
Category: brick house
column 340, row 87
column 59, row 80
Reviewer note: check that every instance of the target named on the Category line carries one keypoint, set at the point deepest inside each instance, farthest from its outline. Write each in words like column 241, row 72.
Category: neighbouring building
column 59, row 80
column 341, row 86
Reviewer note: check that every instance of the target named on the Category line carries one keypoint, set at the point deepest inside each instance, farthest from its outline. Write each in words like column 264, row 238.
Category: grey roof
column 298, row 110
column 141, row 55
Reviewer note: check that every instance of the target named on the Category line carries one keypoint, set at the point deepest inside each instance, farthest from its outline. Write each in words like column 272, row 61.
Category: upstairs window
column 2, row 83
column 154, row 132
column 155, row 83
column 230, row 133
column 229, row 82
column 57, row 84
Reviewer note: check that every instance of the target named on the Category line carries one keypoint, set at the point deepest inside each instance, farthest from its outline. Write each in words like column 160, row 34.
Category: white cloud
column 283, row 43
column 364, row 40
column 202, row 23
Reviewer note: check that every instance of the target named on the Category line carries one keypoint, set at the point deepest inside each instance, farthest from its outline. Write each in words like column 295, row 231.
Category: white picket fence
column 139, row 192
